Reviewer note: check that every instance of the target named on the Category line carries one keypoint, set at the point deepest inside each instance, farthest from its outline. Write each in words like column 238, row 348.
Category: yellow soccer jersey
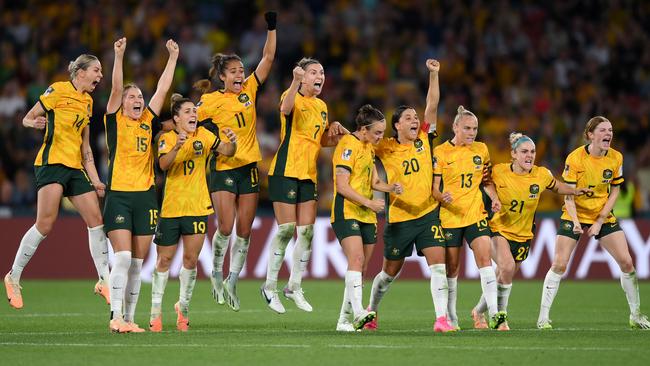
column 519, row 195
column 461, row 169
column 130, row 164
column 412, row 167
column 186, row 192
column 358, row 158
column 300, row 135
column 237, row 112
column 597, row 173
column 67, row 111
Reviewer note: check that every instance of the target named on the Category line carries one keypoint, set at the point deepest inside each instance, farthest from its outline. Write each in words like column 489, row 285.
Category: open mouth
column 192, row 122
column 94, row 83
column 318, row 84
column 137, row 108
column 238, row 83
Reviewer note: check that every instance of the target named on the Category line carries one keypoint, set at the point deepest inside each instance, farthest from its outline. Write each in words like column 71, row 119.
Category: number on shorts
column 153, row 217
column 482, row 224
column 199, row 227
column 522, row 253
column 255, row 177
column 437, row 232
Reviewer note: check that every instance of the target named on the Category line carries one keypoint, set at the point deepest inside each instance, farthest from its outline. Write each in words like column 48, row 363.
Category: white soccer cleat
column 545, row 324
column 230, row 295
column 363, row 318
column 272, row 300
column 344, row 326
column 217, row 291
column 639, row 321
column 298, row 296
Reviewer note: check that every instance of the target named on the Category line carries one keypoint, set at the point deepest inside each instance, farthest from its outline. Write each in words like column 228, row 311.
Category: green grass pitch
column 63, row 323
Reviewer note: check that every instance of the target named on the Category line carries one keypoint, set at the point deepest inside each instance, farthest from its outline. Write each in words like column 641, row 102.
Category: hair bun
column 514, row 136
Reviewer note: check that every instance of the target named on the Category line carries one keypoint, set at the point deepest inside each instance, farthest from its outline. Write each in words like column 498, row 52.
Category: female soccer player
column 354, row 217
column 460, row 166
column 183, row 153
column 292, row 178
column 413, row 216
column 234, row 181
column 64, row 167
column 519, row 184
column 131, row 207
column 600, row 168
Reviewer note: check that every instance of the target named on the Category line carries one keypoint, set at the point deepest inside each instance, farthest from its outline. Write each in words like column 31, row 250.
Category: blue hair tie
column 520, row 141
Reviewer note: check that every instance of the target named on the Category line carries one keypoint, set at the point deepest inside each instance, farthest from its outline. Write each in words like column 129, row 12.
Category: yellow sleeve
column 344, row 155
column 210, row 140
column 618, row 176
column 486, row 158
column 438, row 161
column 166, row 143
column 251, row 85
column 571, row 167
column 549, row 180
column 49, row 98
column 202, row 110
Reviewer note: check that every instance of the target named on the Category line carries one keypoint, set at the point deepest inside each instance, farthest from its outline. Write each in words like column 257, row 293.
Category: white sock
column 219, row 248
column 26, row 250
column 99, row 250
column 489, row 287
column 439, row 288
column 631, row 287
column 238, row 258
column 117, row 281
column 354, row 285
column 380, row 286
column 301, row 253
column 158, row 284
column 551, row 285
column 132, row 292
column 503, row 294
column 452, row 285
column 276, row 254
column 346, row 308
column 481, row 306
column 187, row 278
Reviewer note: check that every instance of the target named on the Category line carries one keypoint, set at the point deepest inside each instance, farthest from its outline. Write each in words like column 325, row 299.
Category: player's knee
column 163, row 262
column 307, row 232
column 44, row 227
column 189, row 261
column 356, row 260
column 224, row 229
column 507, row 269
column 285, row 231
column 627, row 266
column 559, row 267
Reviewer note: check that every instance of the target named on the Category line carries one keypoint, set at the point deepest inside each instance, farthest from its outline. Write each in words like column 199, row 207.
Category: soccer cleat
column 442, row 325
column 503, row 326
column 182, row 322
column 272, row 300
column 372, row 325
column 344, row 326
column 298, row 296
column 639, row 321
column 13, row 292
column 479, row 320
column 101, row 289
column 217, row 291
column 498, row 319
column 362, row 319
column 155, row 324
column 230, row 295
column 118, row 325
column 135, row 328
column 544, row 324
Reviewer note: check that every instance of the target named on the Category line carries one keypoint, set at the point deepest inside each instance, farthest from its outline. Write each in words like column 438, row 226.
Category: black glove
column 271, row 18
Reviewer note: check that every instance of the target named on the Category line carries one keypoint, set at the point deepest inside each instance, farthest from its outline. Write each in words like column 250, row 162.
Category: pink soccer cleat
column 372, row 325
column 442, row 325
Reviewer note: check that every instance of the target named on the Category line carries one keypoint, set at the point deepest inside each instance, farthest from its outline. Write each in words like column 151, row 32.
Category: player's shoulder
column 501, row 168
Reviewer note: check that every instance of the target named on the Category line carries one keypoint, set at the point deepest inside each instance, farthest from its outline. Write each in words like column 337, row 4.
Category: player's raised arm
column 115, row 99
column 268, row 54
column 166, row 78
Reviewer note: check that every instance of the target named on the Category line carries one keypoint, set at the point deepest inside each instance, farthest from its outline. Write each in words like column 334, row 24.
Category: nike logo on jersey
column 450, row 162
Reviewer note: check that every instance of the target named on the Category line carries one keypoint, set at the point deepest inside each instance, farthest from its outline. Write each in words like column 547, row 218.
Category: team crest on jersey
column 198, row 147
column 291, row 194
column 119, row 219
column 243, row 98
column 144, row 127
column 607, row 175
column 534, row 191
column 48, row 91
column 347, row 154
column 477, row 160
column 355, row 225
column 324, row 115
column 419, row 145
column 229, row 182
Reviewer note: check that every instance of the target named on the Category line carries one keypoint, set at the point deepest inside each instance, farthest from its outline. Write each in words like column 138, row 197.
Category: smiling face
column 524, row 156
column 314, row 79
column 186, row 118
column 132, row 102
column 465, row 130
column 88, row 79
column 408, row 125
column 602, row 135
column 233, row 76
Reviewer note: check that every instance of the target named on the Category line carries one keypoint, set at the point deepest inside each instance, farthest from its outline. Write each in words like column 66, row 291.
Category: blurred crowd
column 543, row 68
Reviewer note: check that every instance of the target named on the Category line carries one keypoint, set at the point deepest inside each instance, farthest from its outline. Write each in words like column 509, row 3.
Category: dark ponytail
column 219, row 63
column 368, row 115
